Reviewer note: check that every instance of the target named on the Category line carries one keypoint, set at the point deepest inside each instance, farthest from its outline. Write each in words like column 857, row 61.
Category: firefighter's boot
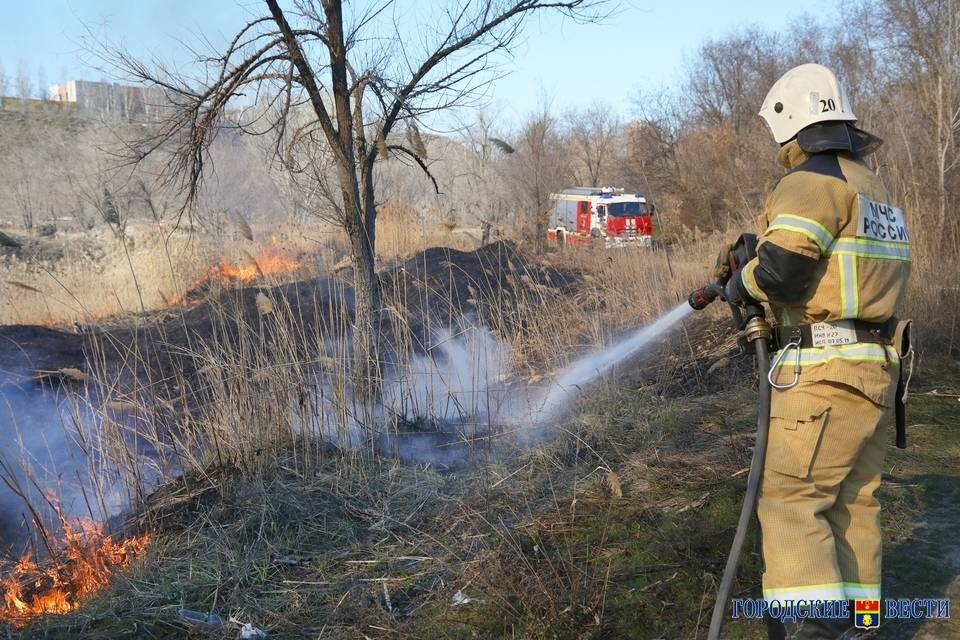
column 775, row 629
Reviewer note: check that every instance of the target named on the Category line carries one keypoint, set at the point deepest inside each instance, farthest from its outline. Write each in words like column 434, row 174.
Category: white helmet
column 803, row 96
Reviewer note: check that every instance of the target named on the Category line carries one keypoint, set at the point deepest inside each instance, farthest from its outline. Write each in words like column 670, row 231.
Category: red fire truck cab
column 584, row 215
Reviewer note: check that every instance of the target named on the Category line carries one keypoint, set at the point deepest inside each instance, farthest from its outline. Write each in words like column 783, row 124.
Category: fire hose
column 751, row 321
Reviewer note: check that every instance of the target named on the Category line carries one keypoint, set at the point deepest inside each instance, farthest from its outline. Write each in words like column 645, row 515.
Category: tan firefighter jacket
column 833, row 247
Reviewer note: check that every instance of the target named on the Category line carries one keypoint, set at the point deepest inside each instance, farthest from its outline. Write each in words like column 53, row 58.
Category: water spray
column 751, row 321
column 590, row 367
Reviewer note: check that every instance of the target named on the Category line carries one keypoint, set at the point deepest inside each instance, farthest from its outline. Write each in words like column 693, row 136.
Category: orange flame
column 88, row 561
column 268, row 262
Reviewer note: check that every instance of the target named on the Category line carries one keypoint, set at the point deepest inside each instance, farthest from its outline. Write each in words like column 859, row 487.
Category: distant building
column 109, row 100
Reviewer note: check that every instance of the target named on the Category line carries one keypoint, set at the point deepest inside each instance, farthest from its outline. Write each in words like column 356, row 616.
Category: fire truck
column 585, row 215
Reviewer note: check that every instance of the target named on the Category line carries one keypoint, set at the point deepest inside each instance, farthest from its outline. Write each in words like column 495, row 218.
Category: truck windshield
column 627, row 209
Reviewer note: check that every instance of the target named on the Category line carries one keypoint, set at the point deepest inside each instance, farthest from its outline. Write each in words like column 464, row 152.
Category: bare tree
column 340, row 87
column 40, row 91
column 538, row 169
column 3, row 80
column 480, row 180
column 650, row 160
column 924, row 36
column 592, row 131
column 24, row 85
column 652, row 138
column 727, row 80
column 722, row 151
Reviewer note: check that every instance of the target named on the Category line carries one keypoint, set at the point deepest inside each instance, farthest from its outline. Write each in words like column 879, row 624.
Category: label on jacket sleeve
column 881, row 221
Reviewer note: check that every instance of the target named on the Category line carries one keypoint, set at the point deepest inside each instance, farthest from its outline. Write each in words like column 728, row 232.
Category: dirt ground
column 434, row 285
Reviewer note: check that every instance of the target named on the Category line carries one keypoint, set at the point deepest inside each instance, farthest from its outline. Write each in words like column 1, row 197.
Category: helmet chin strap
column 837, row 136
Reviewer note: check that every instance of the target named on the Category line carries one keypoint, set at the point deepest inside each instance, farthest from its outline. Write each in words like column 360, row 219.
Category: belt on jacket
column 826, row 334
column 823, row 334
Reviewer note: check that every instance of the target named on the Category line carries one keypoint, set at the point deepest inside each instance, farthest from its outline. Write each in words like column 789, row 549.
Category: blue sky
column 644, row 44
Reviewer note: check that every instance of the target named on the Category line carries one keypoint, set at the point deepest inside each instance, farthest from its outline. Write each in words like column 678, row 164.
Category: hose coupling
column 757, row 328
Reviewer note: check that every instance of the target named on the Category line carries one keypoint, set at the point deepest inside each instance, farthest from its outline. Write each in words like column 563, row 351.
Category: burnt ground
column 159, row 355
column 435, row 286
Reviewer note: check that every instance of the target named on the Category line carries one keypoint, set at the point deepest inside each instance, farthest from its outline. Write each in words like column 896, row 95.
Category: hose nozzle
column 706, row 294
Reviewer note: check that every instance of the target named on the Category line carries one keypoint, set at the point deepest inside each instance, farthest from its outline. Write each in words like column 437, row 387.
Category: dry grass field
column 539, row 531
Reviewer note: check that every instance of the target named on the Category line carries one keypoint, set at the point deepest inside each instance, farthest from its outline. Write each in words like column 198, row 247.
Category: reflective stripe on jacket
column 833, row 247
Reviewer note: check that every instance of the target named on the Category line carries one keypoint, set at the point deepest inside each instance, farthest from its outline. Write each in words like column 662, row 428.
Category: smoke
column 445, row 406
column 433, row 405
column 449, row 399
column 39, row 461
column 54, row 461
column 459, row 379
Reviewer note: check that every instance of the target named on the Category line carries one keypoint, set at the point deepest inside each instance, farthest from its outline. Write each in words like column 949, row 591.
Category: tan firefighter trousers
column 819, row 517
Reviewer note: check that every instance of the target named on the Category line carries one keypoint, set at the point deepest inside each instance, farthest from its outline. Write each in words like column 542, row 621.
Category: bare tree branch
column 416, row 158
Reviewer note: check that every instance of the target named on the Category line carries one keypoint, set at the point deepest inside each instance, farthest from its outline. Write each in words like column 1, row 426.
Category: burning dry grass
column 270, row 262
column 87, row 561
column 92, row 277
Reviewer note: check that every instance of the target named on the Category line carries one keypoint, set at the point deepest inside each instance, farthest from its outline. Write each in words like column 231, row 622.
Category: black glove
column 737, row 293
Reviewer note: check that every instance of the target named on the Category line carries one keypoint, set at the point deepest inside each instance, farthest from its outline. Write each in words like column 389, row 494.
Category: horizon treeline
column 697, row 147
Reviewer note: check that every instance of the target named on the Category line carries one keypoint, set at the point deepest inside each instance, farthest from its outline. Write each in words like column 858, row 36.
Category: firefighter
column 832, row 263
